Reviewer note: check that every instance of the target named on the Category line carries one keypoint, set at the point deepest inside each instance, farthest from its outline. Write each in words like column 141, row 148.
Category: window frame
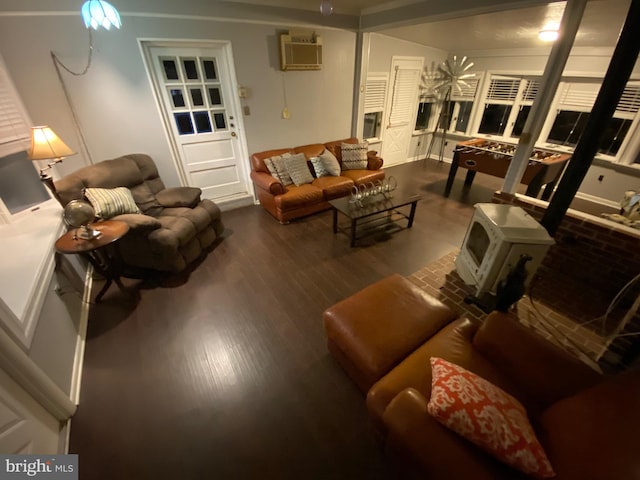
column 565, row 98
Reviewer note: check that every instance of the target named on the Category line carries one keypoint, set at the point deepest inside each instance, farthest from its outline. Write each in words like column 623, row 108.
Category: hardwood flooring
column 225, row 374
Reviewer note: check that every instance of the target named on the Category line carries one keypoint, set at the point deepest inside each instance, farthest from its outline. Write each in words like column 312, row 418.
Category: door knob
column 233, row 134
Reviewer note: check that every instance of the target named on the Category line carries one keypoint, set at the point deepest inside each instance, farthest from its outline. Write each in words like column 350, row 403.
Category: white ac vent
column 300, row 50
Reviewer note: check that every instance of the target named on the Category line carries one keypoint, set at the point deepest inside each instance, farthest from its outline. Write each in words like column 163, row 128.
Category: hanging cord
column 57, row 63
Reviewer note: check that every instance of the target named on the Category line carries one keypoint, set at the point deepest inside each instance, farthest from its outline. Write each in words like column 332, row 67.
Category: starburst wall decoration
column 449, row 77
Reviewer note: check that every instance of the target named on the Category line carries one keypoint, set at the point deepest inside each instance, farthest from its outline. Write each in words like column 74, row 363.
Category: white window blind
column 582, row 96
column 375, row 94
column 404, row 97
column 530, row 90
column 465, row 93
column 630, row 100
column 14, row 124
column 503, row 89
column 579, row 96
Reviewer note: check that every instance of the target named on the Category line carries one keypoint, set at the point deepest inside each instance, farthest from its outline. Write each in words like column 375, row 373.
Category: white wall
column 383, row 48
column 114, row 101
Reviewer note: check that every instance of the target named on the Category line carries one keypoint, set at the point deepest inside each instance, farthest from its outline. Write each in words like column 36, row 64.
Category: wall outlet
column 246, row 110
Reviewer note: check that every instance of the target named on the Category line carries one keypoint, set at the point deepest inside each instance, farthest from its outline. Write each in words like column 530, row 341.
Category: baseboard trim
column 235, row 202
column 78, row 361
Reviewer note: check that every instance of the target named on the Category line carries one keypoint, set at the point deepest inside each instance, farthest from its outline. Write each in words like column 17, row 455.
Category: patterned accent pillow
column 487, row 416
column 109, row 202
column 330, row 163
column 318, row 167
column 354, row 156
column 278, row 169
column 298, row 169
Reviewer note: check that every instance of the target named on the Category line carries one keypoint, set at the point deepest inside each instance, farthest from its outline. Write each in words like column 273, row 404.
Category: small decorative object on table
column 381, row 189
column 80, row 214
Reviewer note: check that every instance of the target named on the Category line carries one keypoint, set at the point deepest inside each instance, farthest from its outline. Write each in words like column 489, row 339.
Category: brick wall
column 592, row 260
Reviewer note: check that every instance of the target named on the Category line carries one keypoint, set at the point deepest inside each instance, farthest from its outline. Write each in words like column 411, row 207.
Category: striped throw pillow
column 109, row 202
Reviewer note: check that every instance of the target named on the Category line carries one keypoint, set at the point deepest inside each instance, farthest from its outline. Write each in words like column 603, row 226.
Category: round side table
column 100, row 251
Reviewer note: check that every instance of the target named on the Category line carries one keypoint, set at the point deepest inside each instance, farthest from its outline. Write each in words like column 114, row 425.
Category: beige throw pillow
column 109, row 202
column 330, row 163
column 298, row 169
column 278, row 169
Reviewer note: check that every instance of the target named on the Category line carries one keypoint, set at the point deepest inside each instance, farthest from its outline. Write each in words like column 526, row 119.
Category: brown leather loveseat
column 289, row 202
column 384, row 337
column 174, row 227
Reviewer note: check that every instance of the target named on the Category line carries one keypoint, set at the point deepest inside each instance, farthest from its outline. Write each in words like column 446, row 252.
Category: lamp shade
column 98, row 13
column 45, row 145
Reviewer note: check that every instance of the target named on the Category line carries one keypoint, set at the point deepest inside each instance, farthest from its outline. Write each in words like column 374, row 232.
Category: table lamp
column 46, row 145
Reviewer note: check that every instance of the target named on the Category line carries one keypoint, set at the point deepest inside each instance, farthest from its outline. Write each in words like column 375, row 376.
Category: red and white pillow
column 487, row 416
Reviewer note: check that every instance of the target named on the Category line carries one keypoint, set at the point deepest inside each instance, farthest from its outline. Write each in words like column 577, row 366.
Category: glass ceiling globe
column 78, row 213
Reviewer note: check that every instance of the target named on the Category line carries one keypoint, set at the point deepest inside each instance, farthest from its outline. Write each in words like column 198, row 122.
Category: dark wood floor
column 225, row 374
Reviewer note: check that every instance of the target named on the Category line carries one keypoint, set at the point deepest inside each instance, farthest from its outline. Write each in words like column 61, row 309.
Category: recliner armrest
column 179, row 197
column 440, row 453
column 374, row 162
column 543, row 369
column 138, row 222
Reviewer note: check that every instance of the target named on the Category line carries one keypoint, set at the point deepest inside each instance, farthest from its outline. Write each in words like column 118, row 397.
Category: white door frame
column 145, row 44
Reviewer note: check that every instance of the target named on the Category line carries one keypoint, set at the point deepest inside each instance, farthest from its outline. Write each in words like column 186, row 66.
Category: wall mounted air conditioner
column 300, row 50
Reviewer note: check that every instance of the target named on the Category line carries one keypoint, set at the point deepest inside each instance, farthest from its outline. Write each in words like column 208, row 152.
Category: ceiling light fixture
column 326, row 8
column 98, row 13
column 548, row 35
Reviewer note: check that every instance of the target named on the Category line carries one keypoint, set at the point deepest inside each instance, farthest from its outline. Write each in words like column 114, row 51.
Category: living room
column 112, row 110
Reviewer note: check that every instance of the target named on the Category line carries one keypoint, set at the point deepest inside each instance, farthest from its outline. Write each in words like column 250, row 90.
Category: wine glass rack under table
column 493, row 158
column 378, row 214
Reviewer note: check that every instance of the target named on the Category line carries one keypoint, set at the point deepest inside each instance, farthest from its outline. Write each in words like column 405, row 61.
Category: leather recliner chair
column 175, row 226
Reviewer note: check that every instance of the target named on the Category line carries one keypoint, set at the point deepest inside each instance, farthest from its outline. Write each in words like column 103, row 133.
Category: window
column 195, row 94
column 529, row 93
column 507, row 106
column 461, row 105
column 497, row 108
column 423, row 116
column 374, row 97
column 20, row 187
column 574, row 107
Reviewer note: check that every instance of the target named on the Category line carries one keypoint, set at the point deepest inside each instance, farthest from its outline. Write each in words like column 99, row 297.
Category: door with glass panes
column 196, row 93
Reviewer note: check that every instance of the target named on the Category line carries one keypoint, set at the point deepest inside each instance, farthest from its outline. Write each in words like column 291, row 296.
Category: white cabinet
column 42, row 331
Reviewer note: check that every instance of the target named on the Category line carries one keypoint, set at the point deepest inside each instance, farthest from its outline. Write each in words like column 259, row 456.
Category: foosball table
column 493, row 158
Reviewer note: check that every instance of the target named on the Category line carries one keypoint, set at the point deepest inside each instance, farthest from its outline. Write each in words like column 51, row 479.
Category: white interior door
column 196, row 89
column 25, row 426
column 402, row 102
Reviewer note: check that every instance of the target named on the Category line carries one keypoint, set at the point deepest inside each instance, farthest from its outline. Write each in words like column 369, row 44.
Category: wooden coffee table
column 377, row 214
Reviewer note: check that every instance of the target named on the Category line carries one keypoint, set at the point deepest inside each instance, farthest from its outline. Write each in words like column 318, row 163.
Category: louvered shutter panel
column 375, row 93
column 14, row 129
column 404, row 97
column 503, row 89
column 465, row 93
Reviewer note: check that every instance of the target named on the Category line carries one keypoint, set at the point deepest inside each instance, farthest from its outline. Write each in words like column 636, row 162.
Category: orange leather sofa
column 286, row 203
column 384, row 337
